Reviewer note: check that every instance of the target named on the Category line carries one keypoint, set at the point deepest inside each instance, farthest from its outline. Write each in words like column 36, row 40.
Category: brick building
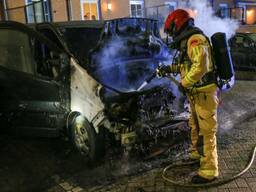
column 29, row 11
column 62, row 10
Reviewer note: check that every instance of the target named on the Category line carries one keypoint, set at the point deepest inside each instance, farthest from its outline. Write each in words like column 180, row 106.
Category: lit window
column 136, row 8
column 249, row 13
column 90, row 9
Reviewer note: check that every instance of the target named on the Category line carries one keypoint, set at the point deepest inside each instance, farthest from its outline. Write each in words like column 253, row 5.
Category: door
column 34, row 99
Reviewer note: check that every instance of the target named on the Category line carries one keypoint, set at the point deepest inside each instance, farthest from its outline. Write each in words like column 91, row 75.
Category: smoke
column 207, row 21
column 114, row 67
column 124, row 62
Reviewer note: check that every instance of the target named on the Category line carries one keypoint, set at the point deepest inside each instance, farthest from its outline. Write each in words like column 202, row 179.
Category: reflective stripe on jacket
column 199, row 53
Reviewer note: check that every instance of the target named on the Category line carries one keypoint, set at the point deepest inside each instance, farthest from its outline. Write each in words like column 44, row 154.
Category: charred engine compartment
column 149, row 105
column 139, row 119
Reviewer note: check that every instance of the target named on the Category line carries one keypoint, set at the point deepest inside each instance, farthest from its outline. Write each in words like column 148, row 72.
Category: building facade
column 30, row 11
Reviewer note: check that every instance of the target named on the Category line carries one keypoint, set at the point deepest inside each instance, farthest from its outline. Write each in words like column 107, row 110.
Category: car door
column 51, row 32
column 34, row 96
column 241, row 49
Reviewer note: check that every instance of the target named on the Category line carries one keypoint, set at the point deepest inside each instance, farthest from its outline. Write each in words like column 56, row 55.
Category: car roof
column 87, row 23
column 73, row 24
column 246, row 29
column 139, row 18
column 78, row 24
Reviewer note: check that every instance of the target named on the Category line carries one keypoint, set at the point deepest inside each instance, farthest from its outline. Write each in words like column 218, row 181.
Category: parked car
column 243, row 51
column 81, row 79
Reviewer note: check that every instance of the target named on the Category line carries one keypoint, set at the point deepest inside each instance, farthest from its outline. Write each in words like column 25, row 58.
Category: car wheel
column 85, row 139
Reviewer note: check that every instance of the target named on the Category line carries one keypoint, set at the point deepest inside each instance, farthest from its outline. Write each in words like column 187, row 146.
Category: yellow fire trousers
column 203, row 124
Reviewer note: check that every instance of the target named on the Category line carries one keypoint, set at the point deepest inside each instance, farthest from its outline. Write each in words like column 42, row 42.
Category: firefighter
column 198, row 80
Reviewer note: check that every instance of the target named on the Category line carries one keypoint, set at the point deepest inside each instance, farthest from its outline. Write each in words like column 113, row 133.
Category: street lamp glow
column 109, row 6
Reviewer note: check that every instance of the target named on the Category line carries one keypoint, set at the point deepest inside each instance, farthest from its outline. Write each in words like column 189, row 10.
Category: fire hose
column 214, row 184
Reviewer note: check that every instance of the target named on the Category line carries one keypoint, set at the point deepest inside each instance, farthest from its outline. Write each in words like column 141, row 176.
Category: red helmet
column 176, row 20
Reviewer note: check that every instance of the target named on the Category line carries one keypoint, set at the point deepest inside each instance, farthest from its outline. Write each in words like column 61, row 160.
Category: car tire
column 85, row 139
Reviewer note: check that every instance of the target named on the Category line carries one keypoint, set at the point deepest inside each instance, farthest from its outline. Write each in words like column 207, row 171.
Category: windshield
column 133, row 26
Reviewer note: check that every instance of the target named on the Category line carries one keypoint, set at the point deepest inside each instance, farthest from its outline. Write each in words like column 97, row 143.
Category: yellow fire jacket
column 199, row 53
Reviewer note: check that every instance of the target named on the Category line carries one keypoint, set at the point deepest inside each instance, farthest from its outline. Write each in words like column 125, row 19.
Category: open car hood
column 127, row 75
column 128, row 53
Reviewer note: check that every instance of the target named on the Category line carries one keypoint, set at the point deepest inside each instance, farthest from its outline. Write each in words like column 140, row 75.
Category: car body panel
column 84, row 89
column 243, row 51
column 31, row 103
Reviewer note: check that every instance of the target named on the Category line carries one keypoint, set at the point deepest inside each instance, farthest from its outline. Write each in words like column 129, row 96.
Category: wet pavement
column 53, row 166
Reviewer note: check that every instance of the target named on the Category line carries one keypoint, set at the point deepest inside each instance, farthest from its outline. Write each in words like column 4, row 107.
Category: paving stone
column 241, row 183
column 93, row 189
column 223, row 164
column 247, row 175
column 56, row 189
column 240, row 190
column 66, row 186
column 253, row 172
column 223, row 190
column 77, row 189
column 223, row 186
column 252, row 185
column 212, row 190
column 250, row 179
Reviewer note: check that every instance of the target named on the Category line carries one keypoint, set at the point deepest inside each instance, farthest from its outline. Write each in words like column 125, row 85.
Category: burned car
column 82, row 79
column 243, row 51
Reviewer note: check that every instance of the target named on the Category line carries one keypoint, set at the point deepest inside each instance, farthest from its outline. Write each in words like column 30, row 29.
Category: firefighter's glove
column 163, row 70
column 181, row 89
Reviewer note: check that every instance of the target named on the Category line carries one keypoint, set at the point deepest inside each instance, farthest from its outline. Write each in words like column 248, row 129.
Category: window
column 223, row 10
column 47, row 13
column 136, row 8
column 16, row 51
column 47, row 60
column 171, row 5
column 90, row 9
column 249, row 12
column 38, row 11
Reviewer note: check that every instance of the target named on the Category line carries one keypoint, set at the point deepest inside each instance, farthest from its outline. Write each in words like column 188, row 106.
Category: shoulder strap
column 182, row 40
column 186, row 35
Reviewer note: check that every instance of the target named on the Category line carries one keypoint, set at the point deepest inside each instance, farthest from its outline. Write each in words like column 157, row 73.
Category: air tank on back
column 222, row 57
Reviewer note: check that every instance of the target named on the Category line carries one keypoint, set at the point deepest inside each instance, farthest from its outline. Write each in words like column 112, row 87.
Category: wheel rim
column 81, row 138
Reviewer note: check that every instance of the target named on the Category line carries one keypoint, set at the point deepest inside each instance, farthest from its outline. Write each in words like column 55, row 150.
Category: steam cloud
column 208, row 22
column 125, row 62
